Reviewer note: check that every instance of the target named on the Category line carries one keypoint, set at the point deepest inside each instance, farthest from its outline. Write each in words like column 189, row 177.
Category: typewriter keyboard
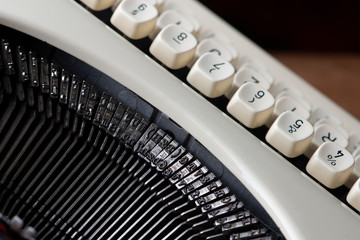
column 84, row 157
column 243, row 87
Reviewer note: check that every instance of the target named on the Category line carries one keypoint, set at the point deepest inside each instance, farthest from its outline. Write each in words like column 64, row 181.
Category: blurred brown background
column 319, row 40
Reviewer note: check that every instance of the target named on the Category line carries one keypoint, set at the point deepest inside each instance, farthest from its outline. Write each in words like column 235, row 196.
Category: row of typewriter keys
column 295, row 127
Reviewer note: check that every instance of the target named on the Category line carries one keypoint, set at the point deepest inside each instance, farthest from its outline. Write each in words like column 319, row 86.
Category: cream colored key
column 193, row 19
column 220, row 37
column 212, row 45
column 353, row 197
column 169, row 5
column 270, row 78
column 252, row 105
column 115, row 5
column 211, row 75
column 172, row 17
column 300, row 99
column 98, row 5
column 174, row 46
column 356, row 152
column 257, row 66
column 135, row 18
column 355, row 174
column 354, row 142
column 156, row 3
column 330, row 122
column 281, row 87
column 244, row 75
column 290, row 134
column 207, row 33
column 326, row 133
column 245, row 61
column 186, row 12
column 287, row 103
column 331, row 165
column 320, row 113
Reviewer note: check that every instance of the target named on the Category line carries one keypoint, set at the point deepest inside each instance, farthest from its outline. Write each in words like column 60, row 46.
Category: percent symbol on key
column 331, row 160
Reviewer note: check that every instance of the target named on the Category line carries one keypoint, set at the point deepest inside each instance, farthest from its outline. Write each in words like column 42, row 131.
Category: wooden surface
column 337, row 75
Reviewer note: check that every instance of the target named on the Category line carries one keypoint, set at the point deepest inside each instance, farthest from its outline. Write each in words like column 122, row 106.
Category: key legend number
column 181, row 37
column 139, row 9
column 332, row 159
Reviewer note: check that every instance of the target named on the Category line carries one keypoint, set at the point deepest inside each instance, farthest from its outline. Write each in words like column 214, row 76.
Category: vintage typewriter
column 155, row 119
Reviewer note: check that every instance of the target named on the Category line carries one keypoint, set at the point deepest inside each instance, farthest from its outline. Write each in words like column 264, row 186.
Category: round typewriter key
column 290, row 134
column 331, row 165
